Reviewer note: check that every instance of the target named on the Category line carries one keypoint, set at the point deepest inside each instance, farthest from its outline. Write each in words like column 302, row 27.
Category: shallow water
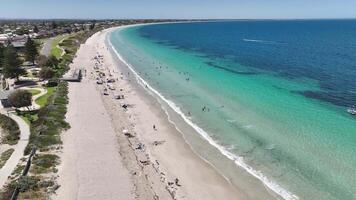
column 271, row 95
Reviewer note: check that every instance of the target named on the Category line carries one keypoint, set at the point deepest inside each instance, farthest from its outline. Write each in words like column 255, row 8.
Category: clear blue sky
column 226, row 9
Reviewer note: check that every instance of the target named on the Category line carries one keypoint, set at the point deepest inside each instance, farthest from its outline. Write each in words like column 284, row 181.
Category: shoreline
column 150, row 172
column 156, row 107
column 272, row 188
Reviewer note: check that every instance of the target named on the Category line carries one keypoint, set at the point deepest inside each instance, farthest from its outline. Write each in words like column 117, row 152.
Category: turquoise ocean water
column 269, row 95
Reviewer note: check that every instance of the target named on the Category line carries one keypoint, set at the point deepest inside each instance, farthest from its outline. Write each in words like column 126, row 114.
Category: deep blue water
column 321, row 50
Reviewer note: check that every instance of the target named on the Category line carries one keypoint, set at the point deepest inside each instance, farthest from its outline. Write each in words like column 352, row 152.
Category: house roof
column 18, row 44
column 4, row 94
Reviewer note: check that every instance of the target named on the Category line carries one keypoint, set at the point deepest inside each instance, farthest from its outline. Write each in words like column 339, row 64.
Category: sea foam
column 238, row 160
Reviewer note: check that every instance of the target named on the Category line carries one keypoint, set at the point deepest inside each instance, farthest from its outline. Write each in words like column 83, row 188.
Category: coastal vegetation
column 29, row 116
column 10, row 130
column 45, row 131
column 44, row 163
column 5, row 156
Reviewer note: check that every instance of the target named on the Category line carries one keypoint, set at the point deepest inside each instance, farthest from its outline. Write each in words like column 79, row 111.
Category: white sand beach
column 114, row 153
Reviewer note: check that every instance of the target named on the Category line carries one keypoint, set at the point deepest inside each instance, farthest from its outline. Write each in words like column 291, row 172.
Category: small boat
column 352, row 110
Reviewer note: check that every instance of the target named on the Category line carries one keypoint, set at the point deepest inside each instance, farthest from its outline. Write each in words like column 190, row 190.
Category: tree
column 41, row 61
column 46, row 73
column 35, row 29
column 1, row 56
column 11, row 64
column 22, row 31
column 92, row 25
column 44, row 61
column 52, row 61
column 20, row 98
column 54, row 25
column 31, row 50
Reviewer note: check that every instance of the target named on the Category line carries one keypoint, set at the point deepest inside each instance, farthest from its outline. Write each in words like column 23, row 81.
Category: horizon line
column 183, row 19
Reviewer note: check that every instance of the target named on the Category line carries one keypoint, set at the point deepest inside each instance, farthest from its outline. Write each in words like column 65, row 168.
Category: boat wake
column 262, row 41
column 238, row 160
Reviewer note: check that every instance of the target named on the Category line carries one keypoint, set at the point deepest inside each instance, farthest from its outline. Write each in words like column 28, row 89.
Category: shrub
column 41, row 61
column 20, row 98
column 11, row 131
column 53, row 82
column 26, row 183
column 44, row 163
column 46, row 73
column 5, row 156
column 45, row 131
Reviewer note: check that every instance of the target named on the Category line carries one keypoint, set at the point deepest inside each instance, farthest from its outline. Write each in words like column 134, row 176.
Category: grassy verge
column 42, row 101
column 5, row 156
column 45, row 131
column 28, row 116
column 34, row 92
column 10, row 130
column 55, row 51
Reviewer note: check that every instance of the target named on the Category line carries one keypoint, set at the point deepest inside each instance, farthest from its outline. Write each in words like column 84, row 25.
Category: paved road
column 46, row 49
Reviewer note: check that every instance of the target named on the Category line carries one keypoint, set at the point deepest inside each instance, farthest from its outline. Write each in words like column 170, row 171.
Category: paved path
column 59, row 47
column 47, row 46
column 19, row 148
column 34, row 106
column 46, row 49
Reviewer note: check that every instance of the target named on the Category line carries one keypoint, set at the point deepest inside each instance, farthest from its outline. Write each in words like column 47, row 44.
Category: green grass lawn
column 42, row 101
column 55, row 51
column 34, row 92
